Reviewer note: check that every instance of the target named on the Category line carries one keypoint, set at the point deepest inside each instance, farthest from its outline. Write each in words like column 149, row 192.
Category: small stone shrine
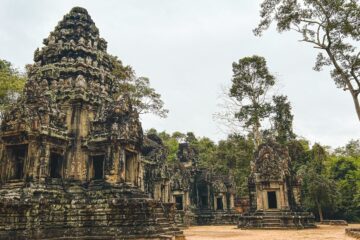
column 70, row 151
column 274, row 192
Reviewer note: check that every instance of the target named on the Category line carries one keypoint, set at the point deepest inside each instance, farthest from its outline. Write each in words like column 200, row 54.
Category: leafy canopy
column 332, row 26
column 11, row 84
column 143, row 97
column 250, row 84
column 282, row 119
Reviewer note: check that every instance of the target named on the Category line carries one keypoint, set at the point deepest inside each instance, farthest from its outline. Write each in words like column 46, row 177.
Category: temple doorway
column 219, row 203
column 179, row 202
column 98, row 165
column 17, row 155
column 272, row 201
column 56, row 165
column 204, row 202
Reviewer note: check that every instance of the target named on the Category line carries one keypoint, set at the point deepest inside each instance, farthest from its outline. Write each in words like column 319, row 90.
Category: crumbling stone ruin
column 70, row 153
column 274, row 192
column 201, row 196
column 156, row 173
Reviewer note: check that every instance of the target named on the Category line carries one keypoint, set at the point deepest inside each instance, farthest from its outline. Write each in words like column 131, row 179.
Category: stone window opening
column 219, row 203
column 56, row 165
column 17, row 155
column 179, row 202
column 130, row 161
column 272, row 201
column 98, row 167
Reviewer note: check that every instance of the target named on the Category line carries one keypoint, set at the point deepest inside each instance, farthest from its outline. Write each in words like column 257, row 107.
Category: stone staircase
column 271, row 220
column 276, row 220
column 216, row 217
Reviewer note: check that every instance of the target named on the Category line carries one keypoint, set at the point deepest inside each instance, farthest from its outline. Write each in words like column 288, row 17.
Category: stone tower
column 274, row 192
column 69, row 150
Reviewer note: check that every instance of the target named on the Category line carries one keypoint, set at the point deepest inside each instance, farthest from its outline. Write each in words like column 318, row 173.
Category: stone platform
column 71, row 210
column 203, row 217
column 277, row 220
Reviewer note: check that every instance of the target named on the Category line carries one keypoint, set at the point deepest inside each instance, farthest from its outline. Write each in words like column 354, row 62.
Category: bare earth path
column 231, row 232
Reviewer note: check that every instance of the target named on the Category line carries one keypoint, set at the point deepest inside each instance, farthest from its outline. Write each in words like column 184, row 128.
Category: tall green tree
column 251, row 83
column 319, row 191
column 143, row 97
column 282, row 119
column 331, row 26
column 11, row 84
column 345, row 171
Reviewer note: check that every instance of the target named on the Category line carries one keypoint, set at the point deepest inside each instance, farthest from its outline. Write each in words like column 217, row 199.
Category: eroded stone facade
column 201, row 196
column 70, row 161
column 274, row 192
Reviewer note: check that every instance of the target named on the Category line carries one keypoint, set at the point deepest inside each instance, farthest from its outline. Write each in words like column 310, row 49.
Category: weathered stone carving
column 274, row 192
column 70, row 154
column 201, row 197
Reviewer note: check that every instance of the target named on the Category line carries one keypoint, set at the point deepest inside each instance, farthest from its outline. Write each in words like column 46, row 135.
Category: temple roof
column 74, row 49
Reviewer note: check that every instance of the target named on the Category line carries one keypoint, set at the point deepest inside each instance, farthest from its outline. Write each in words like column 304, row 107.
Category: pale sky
column 186, row 48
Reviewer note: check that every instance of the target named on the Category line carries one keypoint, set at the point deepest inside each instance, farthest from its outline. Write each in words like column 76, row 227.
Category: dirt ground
column 322, row 232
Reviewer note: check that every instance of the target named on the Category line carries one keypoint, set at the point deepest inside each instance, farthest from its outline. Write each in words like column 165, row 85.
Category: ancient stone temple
column 274, row 192
column 70, row 151
column 201, row 196
column 156, row 173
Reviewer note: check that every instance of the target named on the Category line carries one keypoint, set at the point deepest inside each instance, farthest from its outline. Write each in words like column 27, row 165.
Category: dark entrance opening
column 272, row 200
column 130, row 159
column 17, row 155
column 204, row 202
column 98, row 166
column 219, row 203
column 179, row 202
column 56, row 165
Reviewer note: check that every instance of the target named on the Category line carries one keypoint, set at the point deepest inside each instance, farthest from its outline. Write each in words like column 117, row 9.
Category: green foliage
column 330, row 26
column 234, row 155
column 250, row 84
column 319, row 191
column 298, row 151
column 143, row 97
column 172, row 145
column 352, row 149
column 331, row 183
column 345, row 171
column 11, row 84
column 282, row 119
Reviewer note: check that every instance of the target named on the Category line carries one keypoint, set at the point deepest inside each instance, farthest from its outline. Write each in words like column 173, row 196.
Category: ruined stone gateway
column 70, row 151
column 274, row 192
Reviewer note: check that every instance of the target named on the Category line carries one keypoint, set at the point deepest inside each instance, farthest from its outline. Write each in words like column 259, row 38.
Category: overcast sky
column 186, row 48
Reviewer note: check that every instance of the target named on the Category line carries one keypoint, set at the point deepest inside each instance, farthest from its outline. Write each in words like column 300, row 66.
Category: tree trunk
column 347, row 81
column 257, row 137
column 320, row 212
column 356, row 103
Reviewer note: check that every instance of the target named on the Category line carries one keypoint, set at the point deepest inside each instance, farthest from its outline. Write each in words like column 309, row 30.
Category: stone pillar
column 231, row 201
column 79, row 127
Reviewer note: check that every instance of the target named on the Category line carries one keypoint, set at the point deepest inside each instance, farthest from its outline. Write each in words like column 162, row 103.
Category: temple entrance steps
column 276, row 220
column 215, row 217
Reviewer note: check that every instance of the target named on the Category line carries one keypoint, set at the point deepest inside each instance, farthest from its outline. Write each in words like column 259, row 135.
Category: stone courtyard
column 323, row 232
